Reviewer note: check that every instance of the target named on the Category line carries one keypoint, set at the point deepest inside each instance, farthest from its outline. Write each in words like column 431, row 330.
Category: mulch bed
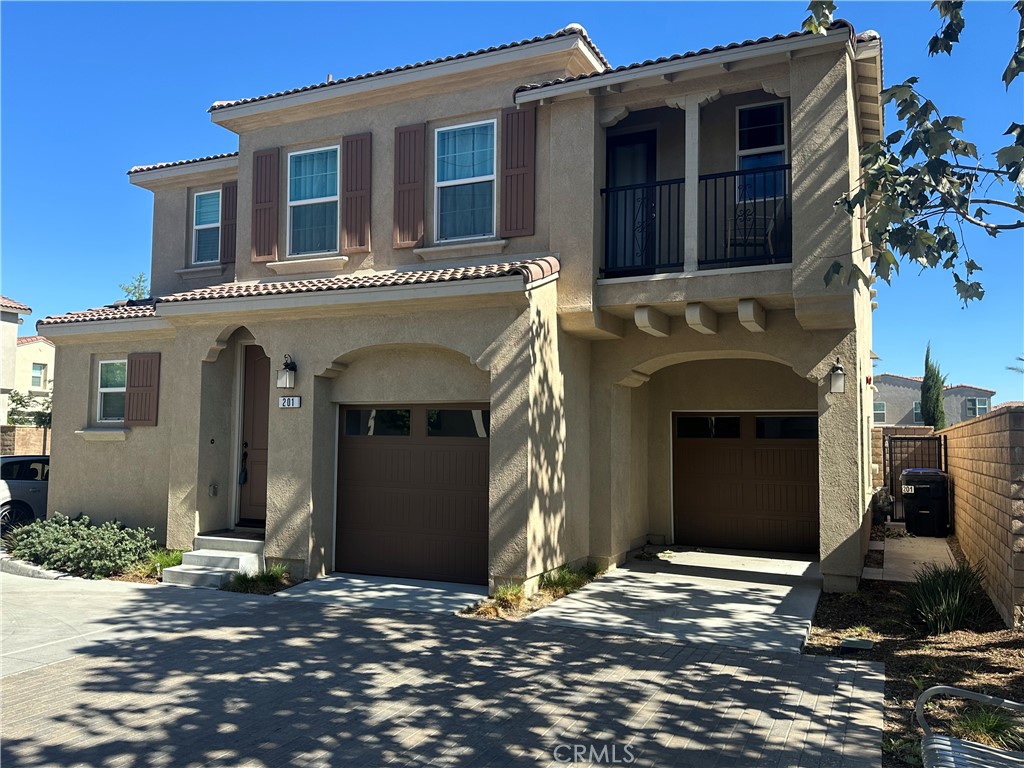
column 988, row 657
column 491, row 610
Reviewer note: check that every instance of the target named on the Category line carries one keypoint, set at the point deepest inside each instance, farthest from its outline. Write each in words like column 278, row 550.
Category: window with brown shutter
column 355, row 194
column 228, row 221
column 266, row 168
column 142, row 391
column 410, row 143
column 518, row 171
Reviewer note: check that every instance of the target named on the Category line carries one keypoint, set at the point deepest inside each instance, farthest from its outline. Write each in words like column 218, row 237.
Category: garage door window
column 787, row 427
column 689, row 427
column 377, row 422
column 458, row 423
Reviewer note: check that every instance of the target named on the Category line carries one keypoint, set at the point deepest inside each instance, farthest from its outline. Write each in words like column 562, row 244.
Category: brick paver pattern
column 309, row 684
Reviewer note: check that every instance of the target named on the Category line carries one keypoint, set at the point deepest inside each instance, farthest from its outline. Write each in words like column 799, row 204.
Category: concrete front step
column 240, row 562
column 224, row 542
column 197, row 576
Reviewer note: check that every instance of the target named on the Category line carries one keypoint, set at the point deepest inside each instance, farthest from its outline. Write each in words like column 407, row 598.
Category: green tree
column 924, row 183
column 19, row 408
column 1017, row 368
column 137, row 288
column 931, row 393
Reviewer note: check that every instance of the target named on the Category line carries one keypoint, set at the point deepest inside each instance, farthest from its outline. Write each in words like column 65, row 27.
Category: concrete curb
column 21, row 568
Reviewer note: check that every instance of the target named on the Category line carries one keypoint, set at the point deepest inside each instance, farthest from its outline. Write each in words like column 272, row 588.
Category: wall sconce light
column 286, row 376
column 837, row 379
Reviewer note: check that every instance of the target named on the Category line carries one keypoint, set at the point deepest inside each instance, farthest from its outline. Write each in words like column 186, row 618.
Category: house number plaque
column 289, row 402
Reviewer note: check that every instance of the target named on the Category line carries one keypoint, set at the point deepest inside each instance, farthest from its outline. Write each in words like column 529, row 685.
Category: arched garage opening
column 737, row 453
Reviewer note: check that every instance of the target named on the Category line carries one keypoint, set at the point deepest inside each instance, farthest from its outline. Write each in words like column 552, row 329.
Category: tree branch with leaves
column 922, row 184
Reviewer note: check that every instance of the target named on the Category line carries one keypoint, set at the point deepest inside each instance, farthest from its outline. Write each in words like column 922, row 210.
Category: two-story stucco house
column 897, row 401
column 474, row 318
column 10, row 320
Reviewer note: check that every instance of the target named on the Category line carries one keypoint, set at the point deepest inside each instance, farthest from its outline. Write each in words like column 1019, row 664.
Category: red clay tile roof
column 14, row 306
column 33, row 340
column 156, row 166
column 531, row 270
column 571, row 29
column 920, row 379
column 839, row 24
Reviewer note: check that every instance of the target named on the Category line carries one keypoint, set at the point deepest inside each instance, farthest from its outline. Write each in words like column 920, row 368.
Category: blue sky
column 88, row 90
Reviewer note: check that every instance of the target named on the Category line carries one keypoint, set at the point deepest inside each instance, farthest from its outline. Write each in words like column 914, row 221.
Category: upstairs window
column 38, row 376
column 206, row 228
column 313, row 202
column 879, row 413
column 918, row 416
column 976, row 406
column 760, row 143
column 113, row 380
column 464, row 186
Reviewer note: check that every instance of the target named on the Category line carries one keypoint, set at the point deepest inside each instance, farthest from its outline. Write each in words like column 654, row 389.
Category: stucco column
column 692, row 103
column 181, row 400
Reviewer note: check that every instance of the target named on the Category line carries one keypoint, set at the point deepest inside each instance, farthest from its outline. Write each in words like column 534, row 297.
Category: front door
column 252, row 504
column 631, row 204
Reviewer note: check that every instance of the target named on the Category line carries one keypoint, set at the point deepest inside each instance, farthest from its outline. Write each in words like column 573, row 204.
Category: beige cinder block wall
column 986, row 465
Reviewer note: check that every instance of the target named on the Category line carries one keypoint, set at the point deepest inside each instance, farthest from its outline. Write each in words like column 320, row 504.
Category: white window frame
column 493, row 178
column 784, row 147
column 42, row 376
column 100, row 390
column 874, row 412
column 336, row 198
column 980, row 406
column 918, row 413
column 197, row 227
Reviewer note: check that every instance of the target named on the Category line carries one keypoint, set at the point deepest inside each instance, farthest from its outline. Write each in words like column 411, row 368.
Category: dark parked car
column 23, row 486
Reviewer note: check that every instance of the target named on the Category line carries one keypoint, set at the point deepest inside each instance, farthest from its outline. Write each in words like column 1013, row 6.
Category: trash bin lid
column 922, row 473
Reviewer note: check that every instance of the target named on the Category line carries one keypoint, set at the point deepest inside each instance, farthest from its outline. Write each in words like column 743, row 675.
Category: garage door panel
column 414, row 506
column 753, row 485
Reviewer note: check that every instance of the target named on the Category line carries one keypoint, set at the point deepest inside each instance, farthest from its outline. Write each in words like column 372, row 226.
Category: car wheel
column 12, row 515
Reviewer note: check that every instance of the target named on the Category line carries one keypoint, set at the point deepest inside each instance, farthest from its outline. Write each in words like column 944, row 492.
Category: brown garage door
column 746, row 481
column 413, row 491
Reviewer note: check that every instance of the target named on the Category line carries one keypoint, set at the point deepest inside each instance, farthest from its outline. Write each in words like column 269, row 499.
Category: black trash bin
column 926, row 502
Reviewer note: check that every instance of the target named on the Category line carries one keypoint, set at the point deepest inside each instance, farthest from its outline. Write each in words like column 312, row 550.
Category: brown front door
column 252, row 505
column 413, row 491
column 746, row 481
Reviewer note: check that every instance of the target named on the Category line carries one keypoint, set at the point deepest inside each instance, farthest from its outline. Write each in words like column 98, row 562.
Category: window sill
column 306, row 266
column 461, row 249
column 206, row 270
column 103, row 434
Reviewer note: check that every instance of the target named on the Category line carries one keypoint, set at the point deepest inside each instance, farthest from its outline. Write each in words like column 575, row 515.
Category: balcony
column 744, row 218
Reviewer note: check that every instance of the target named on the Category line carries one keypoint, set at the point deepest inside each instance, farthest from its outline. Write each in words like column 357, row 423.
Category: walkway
column 303, row 682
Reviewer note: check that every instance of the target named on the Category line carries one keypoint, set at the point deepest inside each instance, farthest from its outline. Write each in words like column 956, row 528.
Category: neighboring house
column 465, row 320
column 34, row 371
column 10, row 320
column 897, row 401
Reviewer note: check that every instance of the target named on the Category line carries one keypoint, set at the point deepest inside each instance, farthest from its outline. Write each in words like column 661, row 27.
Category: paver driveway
column 303, row 682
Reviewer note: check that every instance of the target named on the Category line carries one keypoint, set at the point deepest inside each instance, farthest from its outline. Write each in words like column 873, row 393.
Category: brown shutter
column 518, row 164
column 355, row 193
column 228, row 221
column 265, row 187
column 410, row 166
column 142, row 393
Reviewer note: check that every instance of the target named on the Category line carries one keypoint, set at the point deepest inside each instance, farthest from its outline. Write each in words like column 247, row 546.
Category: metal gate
column 900, row 453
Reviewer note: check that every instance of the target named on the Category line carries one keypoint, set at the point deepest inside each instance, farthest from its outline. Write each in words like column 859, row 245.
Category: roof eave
column 833, row 38
column 566, row 44
column 147, row 179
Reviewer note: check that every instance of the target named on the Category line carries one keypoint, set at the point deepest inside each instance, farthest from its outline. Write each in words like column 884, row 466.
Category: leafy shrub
column 273, row 579
column 563, row 581
column 946, row 598
column 989, row 725
column 80, row 548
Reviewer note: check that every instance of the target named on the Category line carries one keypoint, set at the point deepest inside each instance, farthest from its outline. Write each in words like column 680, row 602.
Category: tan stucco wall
column 126, row 480
column 8, row 358
column 986, row 466
column 26, row 356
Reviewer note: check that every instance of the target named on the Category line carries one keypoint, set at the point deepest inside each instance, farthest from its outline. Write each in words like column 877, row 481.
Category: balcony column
column 692, row 103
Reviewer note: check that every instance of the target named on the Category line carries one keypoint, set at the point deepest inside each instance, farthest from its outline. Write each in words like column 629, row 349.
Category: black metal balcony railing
column 744, row 217
column 747, row 218
column 643, row 228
